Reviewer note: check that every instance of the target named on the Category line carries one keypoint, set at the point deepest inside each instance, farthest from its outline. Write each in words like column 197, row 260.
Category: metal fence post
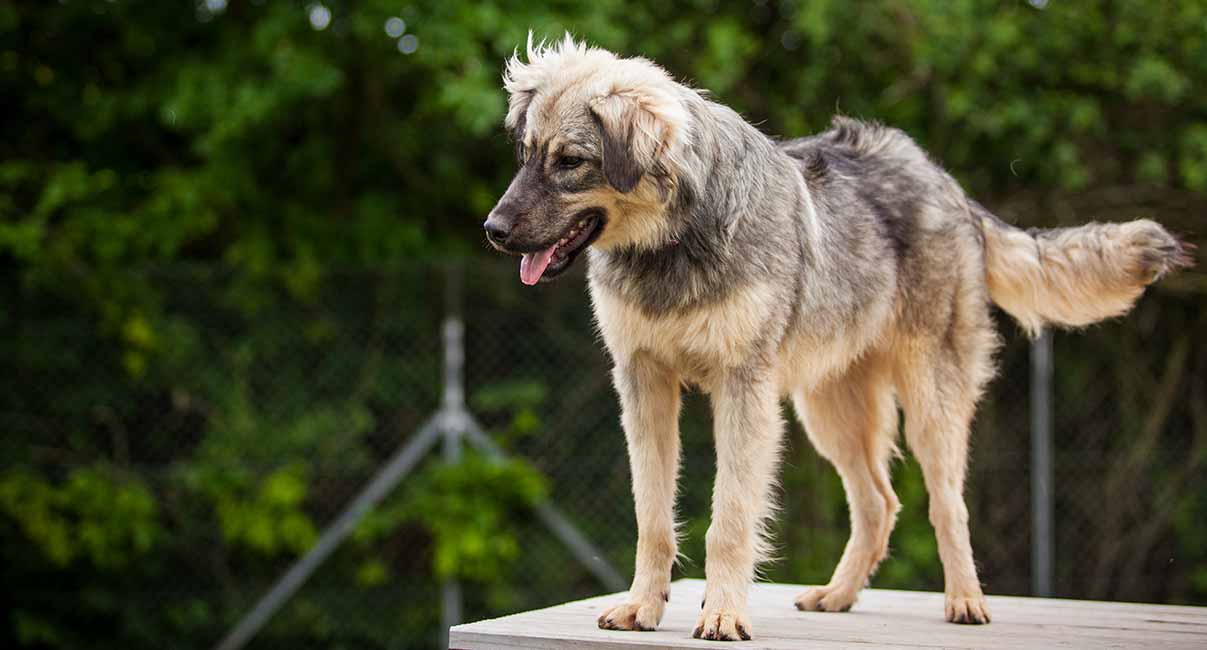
column 454, row 404
column 1041, row 465
column 390, row 474
column 582, row 548
column 451, row 424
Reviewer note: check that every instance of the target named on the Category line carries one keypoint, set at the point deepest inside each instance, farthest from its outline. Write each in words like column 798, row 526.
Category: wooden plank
column 882, row 618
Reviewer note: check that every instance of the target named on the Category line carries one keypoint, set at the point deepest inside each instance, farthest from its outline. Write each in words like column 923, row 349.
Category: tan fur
column 1072, row 277
column 571, row 74
column 633, row 91
column 747, row 431
column 938, row 398
column 649, row 395
column 852, row 422
column 638, row 219
column 696, row 343
column 808, row 361
column 843, row 390
column 697, row 346
column 912, row 330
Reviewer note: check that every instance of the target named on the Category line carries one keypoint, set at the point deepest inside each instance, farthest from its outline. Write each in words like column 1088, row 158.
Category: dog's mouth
column 548, row 263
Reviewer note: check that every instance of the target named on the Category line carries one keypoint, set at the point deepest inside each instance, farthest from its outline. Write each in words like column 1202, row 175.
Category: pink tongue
column 534, row 264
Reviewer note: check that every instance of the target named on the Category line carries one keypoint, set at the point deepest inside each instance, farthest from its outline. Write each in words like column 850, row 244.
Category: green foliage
column 267, row 518
column 94, row 516
column 470, row 511
column 522, row 399
column 202, row 373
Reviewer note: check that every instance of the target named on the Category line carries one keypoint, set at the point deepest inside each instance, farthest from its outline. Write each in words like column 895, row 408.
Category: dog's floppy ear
column 627, row 152
column 635, row 133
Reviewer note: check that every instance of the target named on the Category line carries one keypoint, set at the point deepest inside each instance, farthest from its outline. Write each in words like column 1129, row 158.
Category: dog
column 845, row 271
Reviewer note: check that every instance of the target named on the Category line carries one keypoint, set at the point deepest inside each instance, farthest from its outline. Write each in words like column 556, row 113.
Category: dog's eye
column 569, row 162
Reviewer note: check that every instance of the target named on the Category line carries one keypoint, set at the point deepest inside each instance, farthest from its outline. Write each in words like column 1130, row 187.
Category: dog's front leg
column 649, row 398
column 748, row 428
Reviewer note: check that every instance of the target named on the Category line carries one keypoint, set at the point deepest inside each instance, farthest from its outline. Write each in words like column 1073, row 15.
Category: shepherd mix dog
column 845, row 271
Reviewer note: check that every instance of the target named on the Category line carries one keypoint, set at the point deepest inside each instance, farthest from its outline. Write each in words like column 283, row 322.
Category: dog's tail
column 1075, row 276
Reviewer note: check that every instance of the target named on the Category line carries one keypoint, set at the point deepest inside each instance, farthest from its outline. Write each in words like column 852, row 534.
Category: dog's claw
column 825, row 599
column 967, row 610
column 642, row 616
column 722, row 625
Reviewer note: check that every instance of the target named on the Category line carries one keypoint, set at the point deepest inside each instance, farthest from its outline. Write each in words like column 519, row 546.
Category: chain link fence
column 156, row 487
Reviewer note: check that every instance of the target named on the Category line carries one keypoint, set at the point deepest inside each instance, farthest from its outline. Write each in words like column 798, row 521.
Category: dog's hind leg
column 939, row 390
column 649, row 397
column 748, row 429
column 852, row 421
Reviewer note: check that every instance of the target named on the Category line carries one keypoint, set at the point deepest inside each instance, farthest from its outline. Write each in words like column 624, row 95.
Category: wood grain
column 882, row 618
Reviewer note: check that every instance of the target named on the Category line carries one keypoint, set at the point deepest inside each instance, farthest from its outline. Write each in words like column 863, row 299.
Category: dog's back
column 846, row 270
column 878, row 181
column 885, row 205
column 900, row 254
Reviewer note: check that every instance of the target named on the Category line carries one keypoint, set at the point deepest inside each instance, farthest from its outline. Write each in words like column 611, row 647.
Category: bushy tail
column 1075, row 276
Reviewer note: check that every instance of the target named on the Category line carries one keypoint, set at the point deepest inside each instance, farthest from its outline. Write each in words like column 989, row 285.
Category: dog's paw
column 825, row 599
column 643, row 616
column 970, row 610
column 722, row 625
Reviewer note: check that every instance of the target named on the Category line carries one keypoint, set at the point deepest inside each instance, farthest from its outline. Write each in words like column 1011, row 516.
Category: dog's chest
column 698, row 342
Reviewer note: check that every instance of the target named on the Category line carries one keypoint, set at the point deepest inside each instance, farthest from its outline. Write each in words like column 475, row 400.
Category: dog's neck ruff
column 731, row 182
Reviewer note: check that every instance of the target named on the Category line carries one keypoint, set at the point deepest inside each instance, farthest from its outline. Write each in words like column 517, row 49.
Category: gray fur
column 724, row 234
column 845, row 270
column 740, row 219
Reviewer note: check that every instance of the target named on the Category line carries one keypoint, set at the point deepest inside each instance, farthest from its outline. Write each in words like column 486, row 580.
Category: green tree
column 220, row 229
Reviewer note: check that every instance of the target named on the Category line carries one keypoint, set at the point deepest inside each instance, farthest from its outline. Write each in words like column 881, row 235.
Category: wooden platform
column 881, row 619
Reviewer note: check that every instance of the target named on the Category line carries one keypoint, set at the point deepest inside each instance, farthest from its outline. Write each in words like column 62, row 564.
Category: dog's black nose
column 496, row 230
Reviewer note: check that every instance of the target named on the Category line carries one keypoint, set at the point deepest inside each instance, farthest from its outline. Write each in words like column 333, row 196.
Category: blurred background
column 225, row 229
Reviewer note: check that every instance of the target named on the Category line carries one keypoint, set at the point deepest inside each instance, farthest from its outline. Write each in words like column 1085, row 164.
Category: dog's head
column 599, row 141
